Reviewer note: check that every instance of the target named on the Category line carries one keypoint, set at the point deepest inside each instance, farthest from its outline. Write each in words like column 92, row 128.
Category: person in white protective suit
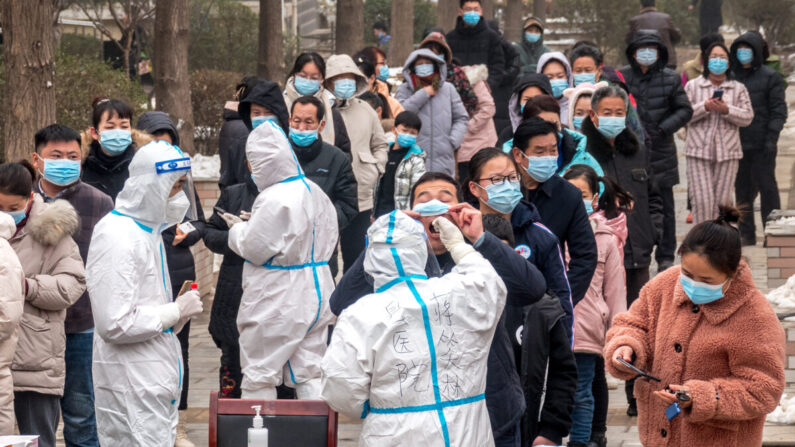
column 411, row 358
column 284, row 312
column 137, row 364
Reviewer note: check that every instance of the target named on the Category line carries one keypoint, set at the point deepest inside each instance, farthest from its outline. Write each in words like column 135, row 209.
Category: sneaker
column 689, row 218
column 632, row 409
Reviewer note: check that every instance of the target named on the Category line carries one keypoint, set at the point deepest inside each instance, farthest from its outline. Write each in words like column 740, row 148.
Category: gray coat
column 444, row 118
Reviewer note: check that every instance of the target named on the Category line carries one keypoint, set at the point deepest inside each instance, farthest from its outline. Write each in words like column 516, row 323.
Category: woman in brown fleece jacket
column 702, row 328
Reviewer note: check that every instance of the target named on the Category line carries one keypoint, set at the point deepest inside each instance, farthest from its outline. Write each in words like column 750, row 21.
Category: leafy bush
column 84, row 46
column 375, row 10
column 209, row 91
column 223, row 36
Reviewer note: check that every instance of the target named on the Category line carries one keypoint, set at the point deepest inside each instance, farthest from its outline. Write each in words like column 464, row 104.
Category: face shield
column 182, row 200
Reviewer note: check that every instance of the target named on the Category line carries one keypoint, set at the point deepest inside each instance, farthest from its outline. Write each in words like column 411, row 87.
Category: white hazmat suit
column 137, row 364
column 411, row 358
column 284, row 312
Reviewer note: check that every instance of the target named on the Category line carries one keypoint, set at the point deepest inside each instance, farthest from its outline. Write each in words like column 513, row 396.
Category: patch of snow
column 785, row 412
column 205, row 167
column 783, row 296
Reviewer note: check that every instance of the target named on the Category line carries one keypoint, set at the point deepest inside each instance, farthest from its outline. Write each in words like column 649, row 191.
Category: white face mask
column 176, row 208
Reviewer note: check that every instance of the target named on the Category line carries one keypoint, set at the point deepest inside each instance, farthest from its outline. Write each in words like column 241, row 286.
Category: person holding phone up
column 721, row 106
column 706, row 347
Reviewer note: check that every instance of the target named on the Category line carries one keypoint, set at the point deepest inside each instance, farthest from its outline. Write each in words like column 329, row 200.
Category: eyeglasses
column 499, row 179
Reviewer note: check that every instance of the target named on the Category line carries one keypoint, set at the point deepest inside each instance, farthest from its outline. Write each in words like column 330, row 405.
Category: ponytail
column 612, row 197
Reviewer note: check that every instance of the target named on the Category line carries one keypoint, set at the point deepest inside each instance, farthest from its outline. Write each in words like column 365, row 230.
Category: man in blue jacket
column 525, row 284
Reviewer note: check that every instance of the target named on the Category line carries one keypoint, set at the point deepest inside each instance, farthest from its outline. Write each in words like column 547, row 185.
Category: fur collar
column 477, row 73
column 51, row 222
column 626, row 142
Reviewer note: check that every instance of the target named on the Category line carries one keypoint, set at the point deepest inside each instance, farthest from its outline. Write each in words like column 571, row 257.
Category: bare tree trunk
column 172, row 81
column 29, row 93
column 402, row 26
column 446, row 14
column 488, row 9
column 270, row 59
column 513, row 20
column 350, row 26
column 540, row 9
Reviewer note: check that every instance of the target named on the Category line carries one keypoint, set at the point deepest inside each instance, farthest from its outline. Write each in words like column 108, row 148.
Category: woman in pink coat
column 480, row 128
column 605, row 298
column 710, row 337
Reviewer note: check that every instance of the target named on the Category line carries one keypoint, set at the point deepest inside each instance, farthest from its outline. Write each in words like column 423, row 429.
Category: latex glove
column 168, row 314
column 190, row 305
column 452, row 238
column 231, row 219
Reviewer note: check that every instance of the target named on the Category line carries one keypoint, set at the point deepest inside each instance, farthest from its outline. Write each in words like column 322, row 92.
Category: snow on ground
column 205, row 167
column 784, row 296
column 785, row 412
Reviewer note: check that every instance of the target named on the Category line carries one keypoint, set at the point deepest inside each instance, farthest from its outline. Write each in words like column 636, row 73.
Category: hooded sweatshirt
column 528, row 80
column 444, row 119
column 557, row 56
column 268, row 95
column 368, row 143
column 529, row 53
column 155, row 121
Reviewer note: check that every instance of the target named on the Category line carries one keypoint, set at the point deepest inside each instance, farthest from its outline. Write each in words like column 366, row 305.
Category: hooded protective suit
column 411, row 357
column 284, row 311
column 137, row 359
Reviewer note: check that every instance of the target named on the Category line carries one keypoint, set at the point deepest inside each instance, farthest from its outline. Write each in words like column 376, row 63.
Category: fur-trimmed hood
column 50, row 222
column 139, row 139
column 476, row 73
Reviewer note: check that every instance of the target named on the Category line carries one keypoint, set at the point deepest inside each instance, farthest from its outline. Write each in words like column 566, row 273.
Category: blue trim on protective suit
column 140, row 225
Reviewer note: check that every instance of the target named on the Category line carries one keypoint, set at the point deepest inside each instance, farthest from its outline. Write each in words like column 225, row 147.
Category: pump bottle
column 257, row 435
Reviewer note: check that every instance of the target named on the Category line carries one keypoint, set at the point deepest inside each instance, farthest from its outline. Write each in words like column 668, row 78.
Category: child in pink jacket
column 605, row 298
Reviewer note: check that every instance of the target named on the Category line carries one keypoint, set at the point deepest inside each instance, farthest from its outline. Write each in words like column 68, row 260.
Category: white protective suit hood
column 270, row 161
column 145, row 194
column 395, row 236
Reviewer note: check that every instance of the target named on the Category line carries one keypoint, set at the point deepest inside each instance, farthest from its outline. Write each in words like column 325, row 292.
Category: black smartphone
column 637, row 371
column 219, row 210
column 717, row 94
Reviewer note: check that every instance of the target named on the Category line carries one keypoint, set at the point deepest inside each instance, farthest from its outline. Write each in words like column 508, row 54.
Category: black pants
column 352, row 238
column 600, row 398
column 37, row 414
column 636, row 279
column 183, row 338
column 756, row 175
column 231, row 374
column 667, row 246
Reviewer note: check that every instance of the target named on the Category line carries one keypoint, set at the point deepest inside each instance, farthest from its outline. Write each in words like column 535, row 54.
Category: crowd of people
column 456, row 255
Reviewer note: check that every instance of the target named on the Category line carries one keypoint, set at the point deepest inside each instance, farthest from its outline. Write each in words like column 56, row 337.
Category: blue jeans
column 77, row 403
column 582, row 414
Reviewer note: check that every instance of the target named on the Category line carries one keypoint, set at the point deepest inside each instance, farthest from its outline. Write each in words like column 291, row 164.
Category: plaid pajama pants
column 710, row 183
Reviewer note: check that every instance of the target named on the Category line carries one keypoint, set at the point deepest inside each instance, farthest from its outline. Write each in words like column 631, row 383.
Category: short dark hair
column 432, row 177
column 367, row 69
column 244, row 87
column 310, row 100
column 500, row 227
column 380, row 25
column 305, row 58
column 717, row 240
column 531, row 128
column 369, row 54
column 540, row 103
column 612, row 198
column 373, row 99
column 113, row 107
column 408, row 119
column 708, row 39
column 647, row 3
column 586, row 50
column 386, row 111
column 55, row 132
column 461, row 2
column 16, row 179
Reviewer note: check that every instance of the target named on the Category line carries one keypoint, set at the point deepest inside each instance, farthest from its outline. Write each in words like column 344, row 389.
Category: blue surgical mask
column 471, row 18
column 344, row 88
column 383, row 73
column 541, row 168
column 558, row 85
column 306, row 86
column 588, row 206
column 423, row 70
column 646, row 56
column 521, row 108
column 745, row 55
column 581, row 78
column 257, row 120
column 611, row 126
column 115, row 141
column 431, row 208
column 699, row 292
column 717, row 65
column 532, row 37
column 61, row 172
column 406, row 140
column 504, row 196
column 20, row 215
column 303, row 138
column 577, row 121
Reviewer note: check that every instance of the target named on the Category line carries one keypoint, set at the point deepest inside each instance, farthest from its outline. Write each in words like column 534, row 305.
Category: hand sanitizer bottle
column 257, row 435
